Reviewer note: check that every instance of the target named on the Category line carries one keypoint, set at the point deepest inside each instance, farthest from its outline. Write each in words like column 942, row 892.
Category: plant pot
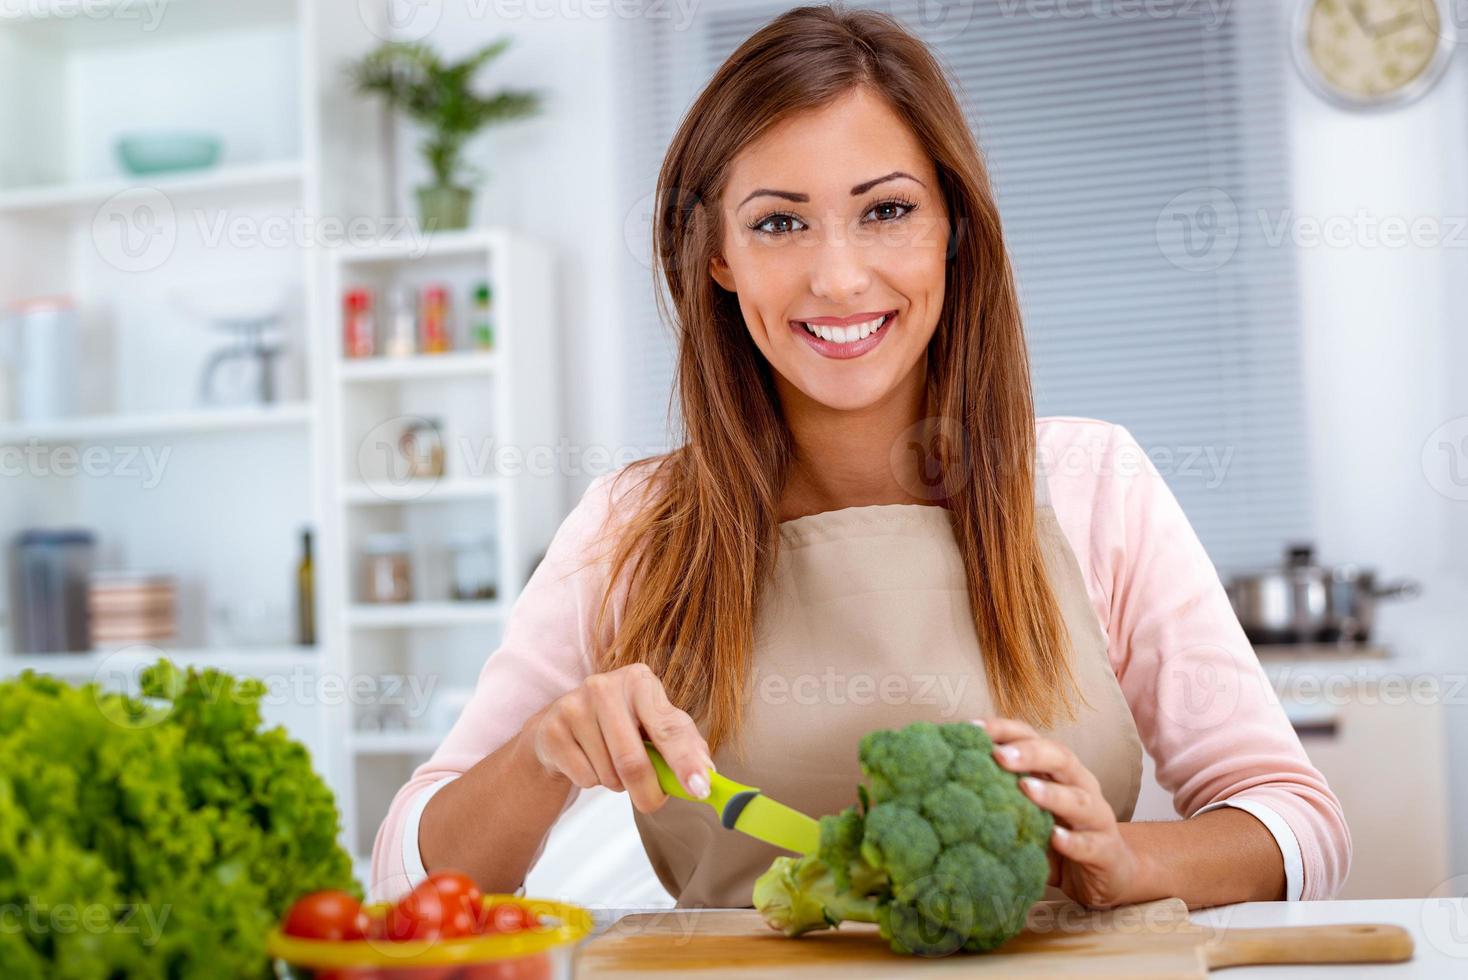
column 444, row 207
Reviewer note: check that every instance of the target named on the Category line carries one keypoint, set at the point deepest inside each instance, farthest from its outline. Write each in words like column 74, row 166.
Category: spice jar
column 386, row 568
column 473, row 566
column 359, row 333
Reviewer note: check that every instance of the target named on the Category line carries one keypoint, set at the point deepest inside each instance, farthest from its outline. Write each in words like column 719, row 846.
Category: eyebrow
column 859, row 189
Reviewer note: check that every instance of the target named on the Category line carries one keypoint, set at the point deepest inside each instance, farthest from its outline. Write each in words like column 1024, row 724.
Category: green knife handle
column 721, row 789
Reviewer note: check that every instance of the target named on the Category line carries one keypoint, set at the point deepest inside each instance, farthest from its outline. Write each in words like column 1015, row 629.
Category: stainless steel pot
column 1302, row 602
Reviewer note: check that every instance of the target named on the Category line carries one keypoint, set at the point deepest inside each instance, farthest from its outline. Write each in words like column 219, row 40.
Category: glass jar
column 473, row 566
column 387, row 568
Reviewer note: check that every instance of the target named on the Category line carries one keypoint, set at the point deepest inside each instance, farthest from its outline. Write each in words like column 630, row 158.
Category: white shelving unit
column 83, row 76
column 386, row 369
column 483, row 402
column 301, row 151
column 449, row 488
column 411, row 615
column 70, row 200
column 181, row 423
column 98, row 664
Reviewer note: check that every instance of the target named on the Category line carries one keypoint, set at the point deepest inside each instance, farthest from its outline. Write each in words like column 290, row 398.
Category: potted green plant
column 440, row 96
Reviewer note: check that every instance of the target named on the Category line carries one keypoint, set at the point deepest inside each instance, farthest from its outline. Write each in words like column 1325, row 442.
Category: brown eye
column 761, row 225
column 903, row 209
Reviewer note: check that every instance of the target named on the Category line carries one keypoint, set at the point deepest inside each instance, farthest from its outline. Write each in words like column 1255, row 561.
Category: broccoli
column 943, row 851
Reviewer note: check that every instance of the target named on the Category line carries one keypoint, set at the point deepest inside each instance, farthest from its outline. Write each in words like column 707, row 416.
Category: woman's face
column 835, row 240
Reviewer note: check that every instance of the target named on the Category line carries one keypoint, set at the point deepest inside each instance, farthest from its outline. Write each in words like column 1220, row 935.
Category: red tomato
column 459, row 894
column 536, row 966
column 425, row 913
column 325, row 915
column 505, row 917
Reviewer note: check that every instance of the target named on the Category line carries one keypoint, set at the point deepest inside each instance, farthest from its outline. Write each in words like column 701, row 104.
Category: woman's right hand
column 593, row 737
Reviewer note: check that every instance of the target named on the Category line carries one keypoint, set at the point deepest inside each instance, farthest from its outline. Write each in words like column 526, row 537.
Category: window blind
column 1140, row 161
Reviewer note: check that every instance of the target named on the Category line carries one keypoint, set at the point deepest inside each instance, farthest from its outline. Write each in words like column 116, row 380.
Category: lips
column 845, row 321
column 830, row 340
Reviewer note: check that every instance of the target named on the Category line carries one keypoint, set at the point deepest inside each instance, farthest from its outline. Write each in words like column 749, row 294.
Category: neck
column 845, row 458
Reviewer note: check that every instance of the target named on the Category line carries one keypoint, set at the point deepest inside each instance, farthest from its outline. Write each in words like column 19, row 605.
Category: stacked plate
column 131, row 607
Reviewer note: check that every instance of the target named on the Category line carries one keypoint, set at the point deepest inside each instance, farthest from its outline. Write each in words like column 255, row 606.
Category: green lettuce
column 153, row 837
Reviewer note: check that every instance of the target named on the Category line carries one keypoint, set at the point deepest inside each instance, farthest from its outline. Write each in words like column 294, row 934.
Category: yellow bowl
column 544, row 950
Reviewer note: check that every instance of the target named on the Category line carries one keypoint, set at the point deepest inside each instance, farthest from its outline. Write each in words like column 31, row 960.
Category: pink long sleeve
column 1202, row 703
column 547, row 649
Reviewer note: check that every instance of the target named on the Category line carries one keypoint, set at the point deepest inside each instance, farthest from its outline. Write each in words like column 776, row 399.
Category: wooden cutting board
column 1149, row 941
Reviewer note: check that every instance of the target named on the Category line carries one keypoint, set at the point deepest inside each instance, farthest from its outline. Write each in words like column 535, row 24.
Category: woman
column 855, row 534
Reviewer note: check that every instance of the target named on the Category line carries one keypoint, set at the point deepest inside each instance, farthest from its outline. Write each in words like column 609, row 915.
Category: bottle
column 402, row 332
column 358, row 333
column 306, row 594
column 433, row 320
column 481, row 324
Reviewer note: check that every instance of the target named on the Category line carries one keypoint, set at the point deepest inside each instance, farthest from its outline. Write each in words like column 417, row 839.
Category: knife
column 745, row 809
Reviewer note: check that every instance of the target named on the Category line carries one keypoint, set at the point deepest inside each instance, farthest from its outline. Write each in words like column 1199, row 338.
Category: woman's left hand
column 1089, row 859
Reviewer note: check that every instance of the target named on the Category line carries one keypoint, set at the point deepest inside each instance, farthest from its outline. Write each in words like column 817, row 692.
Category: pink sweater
column 1202, row 704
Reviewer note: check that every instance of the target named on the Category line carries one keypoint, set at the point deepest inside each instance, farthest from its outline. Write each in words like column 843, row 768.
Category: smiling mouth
column 846, row 341
column 848, row 334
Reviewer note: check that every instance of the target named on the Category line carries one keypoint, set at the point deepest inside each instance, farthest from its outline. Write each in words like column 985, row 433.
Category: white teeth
column 846, row 335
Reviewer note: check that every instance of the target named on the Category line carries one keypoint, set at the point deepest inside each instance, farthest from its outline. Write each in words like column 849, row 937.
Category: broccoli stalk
column 943, row 852
column 800, row 894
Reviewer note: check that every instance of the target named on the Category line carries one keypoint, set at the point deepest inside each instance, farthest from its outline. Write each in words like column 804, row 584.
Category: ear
column 719, row 269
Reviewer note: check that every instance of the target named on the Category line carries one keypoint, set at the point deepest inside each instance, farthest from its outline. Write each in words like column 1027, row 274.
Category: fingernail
column 980, row 722
column 710, row 763
column 698, row 785
column 1008, row 753
column 1061, row 833
column 1032, row 784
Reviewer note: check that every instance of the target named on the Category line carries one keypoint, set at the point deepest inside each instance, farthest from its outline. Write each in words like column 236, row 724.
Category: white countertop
column 1439, row 928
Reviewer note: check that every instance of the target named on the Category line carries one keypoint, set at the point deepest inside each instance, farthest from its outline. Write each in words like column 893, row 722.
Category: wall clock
column 1372, row 54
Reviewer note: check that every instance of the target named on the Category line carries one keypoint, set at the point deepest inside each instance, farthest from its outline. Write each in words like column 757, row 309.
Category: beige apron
column 866, row 624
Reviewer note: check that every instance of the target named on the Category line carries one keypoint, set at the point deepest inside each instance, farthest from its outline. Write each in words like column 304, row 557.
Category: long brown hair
column 701, row 543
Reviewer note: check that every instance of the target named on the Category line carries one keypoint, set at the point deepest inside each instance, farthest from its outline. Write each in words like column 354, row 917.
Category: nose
column 840, row 269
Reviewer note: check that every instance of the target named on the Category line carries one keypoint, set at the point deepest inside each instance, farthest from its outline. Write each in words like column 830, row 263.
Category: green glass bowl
column 161, row 153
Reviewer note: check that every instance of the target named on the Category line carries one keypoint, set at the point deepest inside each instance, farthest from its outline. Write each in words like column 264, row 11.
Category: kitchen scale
column 243, row 371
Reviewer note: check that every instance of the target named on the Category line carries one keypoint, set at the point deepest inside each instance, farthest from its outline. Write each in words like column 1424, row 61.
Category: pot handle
column 1404, row 589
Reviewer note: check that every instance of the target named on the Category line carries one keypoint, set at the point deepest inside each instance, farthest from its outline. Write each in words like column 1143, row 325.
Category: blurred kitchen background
column 266, row 405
